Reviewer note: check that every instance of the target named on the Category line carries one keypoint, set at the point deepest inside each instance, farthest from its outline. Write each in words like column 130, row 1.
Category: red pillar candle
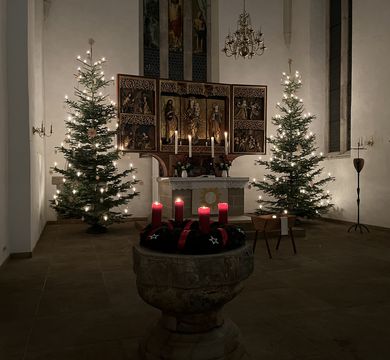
column 223, row 209
column 204, row 219
column 156, row 214
column 179, row 210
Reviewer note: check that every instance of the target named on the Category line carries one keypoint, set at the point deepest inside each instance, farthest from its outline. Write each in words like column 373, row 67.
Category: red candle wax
column 204, row 219
column 223, row 209
column 179, row 210
column 156, row 214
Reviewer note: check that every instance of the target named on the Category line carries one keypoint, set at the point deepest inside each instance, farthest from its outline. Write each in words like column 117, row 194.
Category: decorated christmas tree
column 294, row 180
column 93, row 187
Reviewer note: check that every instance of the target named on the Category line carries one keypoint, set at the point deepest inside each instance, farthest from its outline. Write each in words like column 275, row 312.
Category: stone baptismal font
column 189, row 270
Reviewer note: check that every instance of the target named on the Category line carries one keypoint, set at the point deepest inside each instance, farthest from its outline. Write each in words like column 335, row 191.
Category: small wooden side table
column 267, row 224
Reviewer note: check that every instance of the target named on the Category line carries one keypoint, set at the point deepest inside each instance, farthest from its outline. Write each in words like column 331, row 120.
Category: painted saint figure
column 242, row 113
column 128, row 103
column 145, row 109
column 170, row 121
column 175, row 26
column 195, row 125
column 200, row 33
column 215, row 123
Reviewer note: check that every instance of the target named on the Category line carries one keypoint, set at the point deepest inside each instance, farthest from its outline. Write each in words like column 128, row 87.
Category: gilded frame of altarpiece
column 152, row 112
column 137, row 113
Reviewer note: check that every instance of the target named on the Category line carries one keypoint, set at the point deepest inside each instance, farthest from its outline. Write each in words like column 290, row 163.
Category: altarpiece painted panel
column 151, row 110
column 249, row 109
column 197, row 109
column 137, row 106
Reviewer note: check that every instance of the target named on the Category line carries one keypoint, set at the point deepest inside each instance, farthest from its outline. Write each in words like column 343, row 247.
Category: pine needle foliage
column 93, row 187
column 294, row 180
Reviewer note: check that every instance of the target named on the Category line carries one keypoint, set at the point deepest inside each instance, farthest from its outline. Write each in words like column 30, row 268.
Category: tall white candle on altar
column 189, row 146
column 212, row 147
column 176, row 142
column 226, row 143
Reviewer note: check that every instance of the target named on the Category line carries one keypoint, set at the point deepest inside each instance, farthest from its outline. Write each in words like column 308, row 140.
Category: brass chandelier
column 244, row 42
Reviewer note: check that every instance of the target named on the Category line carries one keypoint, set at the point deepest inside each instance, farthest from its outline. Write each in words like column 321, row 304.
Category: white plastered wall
column 308, row 49
column 4, row 245
column 36, row 112
column 115, row 27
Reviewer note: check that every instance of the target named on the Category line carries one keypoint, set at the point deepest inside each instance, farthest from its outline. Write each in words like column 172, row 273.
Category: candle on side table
column 189, row 146
column 176, row 142
column 223, row 209
column 212, row 147
column 204, row 219
column 179, row 210
column 156, row 214
column 226, row 143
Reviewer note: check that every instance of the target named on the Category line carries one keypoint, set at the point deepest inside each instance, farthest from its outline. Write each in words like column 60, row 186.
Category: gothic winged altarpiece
column 154, row 114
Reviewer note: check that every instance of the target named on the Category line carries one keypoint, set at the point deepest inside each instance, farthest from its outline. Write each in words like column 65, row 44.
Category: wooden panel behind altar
column 249, row 111
column 137, row 106
column 150, row 110
column 197, row 109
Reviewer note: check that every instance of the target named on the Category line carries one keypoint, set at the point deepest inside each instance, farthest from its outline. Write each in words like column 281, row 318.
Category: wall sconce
column 41, row 131
column 370, row 141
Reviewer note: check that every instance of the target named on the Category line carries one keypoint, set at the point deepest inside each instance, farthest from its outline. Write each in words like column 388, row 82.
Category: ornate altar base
column 202, row 191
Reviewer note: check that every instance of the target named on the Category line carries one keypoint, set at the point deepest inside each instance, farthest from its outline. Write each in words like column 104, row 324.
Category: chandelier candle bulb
column 156, row 214
column 204, row 219
column 189, row 146
column 176, row 142
column 179, row 210
column 223, row 209
column 212, row 147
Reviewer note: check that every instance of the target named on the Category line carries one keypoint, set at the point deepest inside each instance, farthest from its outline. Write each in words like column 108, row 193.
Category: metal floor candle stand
column 358, row 163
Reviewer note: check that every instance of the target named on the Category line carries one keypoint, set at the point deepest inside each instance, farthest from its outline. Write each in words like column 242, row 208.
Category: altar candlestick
column 176, row 142
column 179, row 210
column 189, row 146
column 156, row 214
column 212, row 147
column 223, row 209
column 226, row 143
column 204, row 219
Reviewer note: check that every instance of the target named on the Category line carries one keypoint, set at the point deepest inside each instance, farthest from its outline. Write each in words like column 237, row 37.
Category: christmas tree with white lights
column 93, row 187
column 294, row 182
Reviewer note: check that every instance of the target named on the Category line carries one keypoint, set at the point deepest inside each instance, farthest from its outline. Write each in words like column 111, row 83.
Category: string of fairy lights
column 69, row 141
column 281, row 134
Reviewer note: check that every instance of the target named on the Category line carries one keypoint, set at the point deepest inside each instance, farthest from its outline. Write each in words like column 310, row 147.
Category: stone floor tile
column 13, row 337
column 57, row 332
column 107, row 350
column 63, row 300
column 19, row 304
column 73, row 280
column 330, row 301
column 130, row 347
column 112, row 262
